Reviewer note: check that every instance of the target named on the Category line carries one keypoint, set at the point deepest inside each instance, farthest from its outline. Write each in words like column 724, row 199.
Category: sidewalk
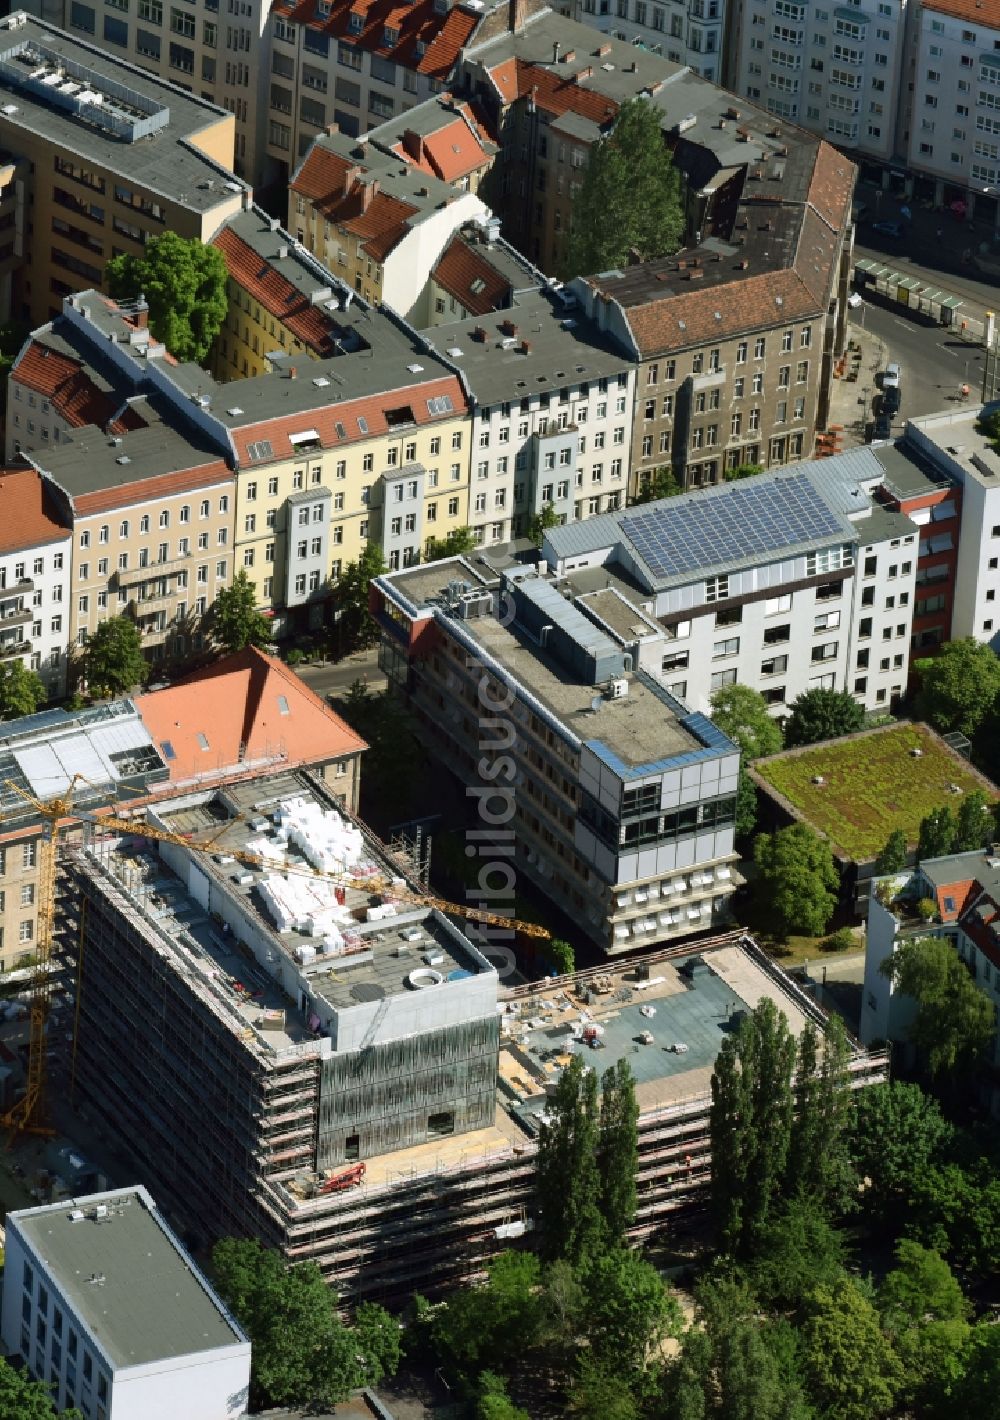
column 851, row 399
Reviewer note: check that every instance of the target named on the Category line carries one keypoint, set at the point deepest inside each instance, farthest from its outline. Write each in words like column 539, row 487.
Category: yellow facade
column 336, row 247
column 351, row 473
column 249, row 334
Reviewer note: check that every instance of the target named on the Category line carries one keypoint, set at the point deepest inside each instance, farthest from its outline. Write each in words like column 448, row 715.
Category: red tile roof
column 23, row 519
column 743, row 304
column 555, row 93
column 426, row 42
column 338, row 189
column 832, row 185
column 141, row 490
column 72, row 391
column 980, row 921
column 453, row 152
column 982, row 12
column 236, row 704
column 372, row 410
column 960, row 894
column 266, row 285
column 461, row 268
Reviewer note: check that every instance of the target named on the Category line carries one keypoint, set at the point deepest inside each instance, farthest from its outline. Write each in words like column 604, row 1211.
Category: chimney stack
column 368, row 191
column 142, row 313
column 517, row 14
column 413, row 144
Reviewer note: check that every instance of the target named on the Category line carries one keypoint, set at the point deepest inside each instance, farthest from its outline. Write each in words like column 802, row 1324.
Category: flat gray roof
column 127, row 1277
column 88, row 460
column 565, row 348
column 164, row 161
column 905, row 472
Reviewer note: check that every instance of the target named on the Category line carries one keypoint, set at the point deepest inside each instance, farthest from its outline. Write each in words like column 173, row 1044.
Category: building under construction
column 331, row 1067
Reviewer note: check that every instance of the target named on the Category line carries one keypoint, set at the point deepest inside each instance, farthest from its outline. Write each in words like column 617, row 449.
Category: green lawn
column 872, row 785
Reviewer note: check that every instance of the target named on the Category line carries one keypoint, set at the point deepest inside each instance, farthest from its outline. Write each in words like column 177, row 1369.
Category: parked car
column 883, row 426
column 891, row 400
column 888, row 229
column 890, row 376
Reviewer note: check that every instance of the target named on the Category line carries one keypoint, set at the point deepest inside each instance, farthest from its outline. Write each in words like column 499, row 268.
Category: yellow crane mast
column 30, row 1114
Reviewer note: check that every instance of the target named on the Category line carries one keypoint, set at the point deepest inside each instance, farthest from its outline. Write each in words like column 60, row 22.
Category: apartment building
column 445, row 137
column 690, row 32
column 964, row 889
column 950, row 130
column 380, row 224
column 113, row 157
column 787, row 582
column 839, row 71
column 621, row 801
column 552, row 401
column 35, row 558
column 104, row 1305
column 478, row 272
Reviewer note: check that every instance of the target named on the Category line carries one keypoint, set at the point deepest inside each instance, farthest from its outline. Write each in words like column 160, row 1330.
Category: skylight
column 202, row 741
column 283, row 706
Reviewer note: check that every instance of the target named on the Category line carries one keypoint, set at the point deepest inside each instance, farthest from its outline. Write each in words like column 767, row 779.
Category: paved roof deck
column 90, row 461
column 564, row 348
column 619, row 614
column 150, row 1302
column 164, row 161
column 956, row 437
column 639, row 728
column 696, row 1012
column 907, row 473
column 427, row 583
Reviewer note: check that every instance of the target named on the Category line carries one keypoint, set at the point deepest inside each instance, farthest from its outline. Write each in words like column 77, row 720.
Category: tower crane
column 29, row 1114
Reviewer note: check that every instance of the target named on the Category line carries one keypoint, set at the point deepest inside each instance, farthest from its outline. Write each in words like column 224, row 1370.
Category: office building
column 785, row 582
column 102, row 157
column 102, row 1302
column 622, row 802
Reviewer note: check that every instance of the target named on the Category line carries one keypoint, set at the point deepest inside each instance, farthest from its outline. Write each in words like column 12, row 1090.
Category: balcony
column 13, row 647
column 17, row 616
column 152, row 571
column 17, row 589
column 140, row 607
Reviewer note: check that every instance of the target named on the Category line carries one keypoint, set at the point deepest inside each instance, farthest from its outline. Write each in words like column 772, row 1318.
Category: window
column 721, row 678
column 729, row 647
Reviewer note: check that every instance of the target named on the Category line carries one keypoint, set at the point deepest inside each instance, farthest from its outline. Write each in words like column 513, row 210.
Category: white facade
column 34, row 609
column 837, row 69
column 687, row 32
column 960, row 451
column 954, row 124
column 570, row 450
column 80, row 1349
column 407, row 269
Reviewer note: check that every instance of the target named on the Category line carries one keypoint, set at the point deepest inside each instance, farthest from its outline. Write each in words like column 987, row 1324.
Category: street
column 934, row 363
column 337, row 678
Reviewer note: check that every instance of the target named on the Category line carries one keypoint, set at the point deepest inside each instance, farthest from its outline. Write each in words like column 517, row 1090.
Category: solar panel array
column 745, row 520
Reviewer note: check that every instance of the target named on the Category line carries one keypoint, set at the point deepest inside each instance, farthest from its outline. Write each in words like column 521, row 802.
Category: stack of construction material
column 326, row 840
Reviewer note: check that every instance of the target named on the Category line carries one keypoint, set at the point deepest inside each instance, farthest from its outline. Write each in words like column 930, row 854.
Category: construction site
column 286, row 1040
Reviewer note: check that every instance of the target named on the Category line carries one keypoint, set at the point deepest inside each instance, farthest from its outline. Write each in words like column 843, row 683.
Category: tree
column 851, row 1369
column 21, row 690
column 660, row 482
column 959, row 686
column 237, row 622
column 922, row 1286
column 973, row 822
column 799, row 1249
column 541, row 522
column 956, row 1211
column 184, row 284
column 350, row 597
column 819, row 1162
column 629, row 1311
column 493, row 1402
column 302, row 1354
column 490, row 1325
column 974, row 1396
column 742, row 470
column 897, row 1134
column 954, row 1023
column 21, row 1398
column 731, row 1366
column 455, row 544
column 750, row 1125
column 937, row 835
column 926, row 1316
column 561, row 956
column 600, row 1395
column 741, row 713
column 629, row 200
column 567, row 1177
column 893, row 857
column 113, row 662
column 822, row 715
column 797, row 882
column 746, row 804
column 618, row 1152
